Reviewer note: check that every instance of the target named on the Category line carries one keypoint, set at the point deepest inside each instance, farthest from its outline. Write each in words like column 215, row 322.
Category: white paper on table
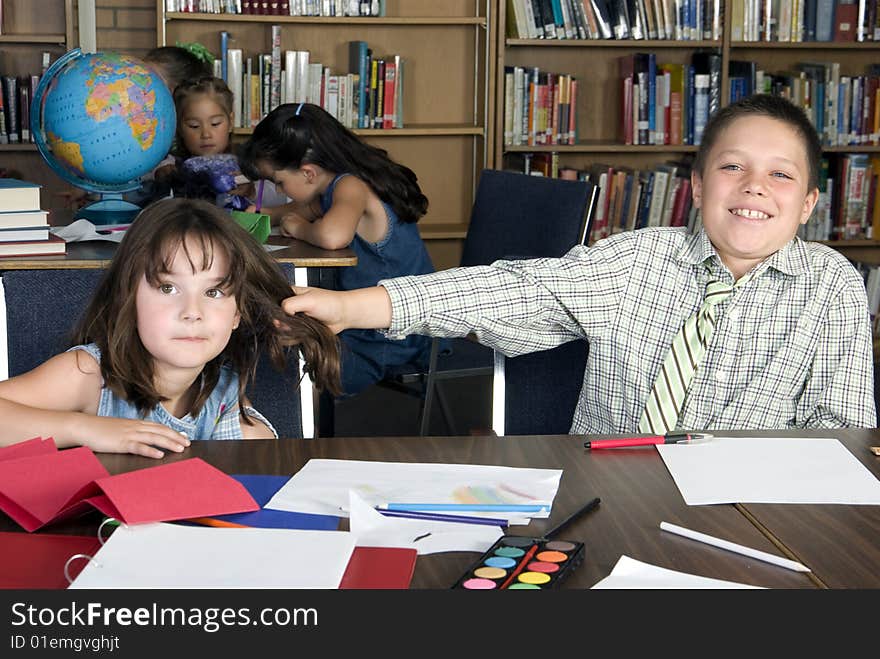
column 630, row 573
column 372, row 529
column 322, row 486
column 175, row 556
column 82, row 230
column 769, row 470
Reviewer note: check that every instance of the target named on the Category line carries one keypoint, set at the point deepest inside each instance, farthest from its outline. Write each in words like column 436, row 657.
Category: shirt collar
column 791, row 259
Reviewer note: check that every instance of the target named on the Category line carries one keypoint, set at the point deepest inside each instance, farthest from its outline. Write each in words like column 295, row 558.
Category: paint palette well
column 519, row 563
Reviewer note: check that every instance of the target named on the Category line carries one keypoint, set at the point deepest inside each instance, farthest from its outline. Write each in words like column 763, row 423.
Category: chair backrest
column 43, row 307
column 542, row 389
column 518, row 216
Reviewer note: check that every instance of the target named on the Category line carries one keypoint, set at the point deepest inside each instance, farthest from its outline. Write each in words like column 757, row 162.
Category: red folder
column 379, row 568
column 37, row 561
column 48, row 486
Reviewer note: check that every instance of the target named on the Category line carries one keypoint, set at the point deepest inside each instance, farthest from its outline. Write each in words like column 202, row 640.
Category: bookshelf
column 29, row 29
column 447, row 137
column 594, row 62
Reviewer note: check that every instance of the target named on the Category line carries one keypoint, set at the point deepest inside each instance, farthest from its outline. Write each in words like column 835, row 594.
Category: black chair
column 43, row 306
column 514, row 216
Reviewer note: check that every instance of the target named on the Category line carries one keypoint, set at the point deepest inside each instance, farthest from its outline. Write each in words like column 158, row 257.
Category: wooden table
column 98, row 253
column 839, row 543
column 637, row 493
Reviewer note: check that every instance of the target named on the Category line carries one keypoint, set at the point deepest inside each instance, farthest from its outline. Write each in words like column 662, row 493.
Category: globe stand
column 110, row 209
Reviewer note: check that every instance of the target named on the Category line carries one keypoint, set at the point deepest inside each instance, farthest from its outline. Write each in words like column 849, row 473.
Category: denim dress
column 217, row 419
column 367, row 354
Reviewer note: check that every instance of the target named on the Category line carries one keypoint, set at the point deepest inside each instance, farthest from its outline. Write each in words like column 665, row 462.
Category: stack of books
column 24, row 229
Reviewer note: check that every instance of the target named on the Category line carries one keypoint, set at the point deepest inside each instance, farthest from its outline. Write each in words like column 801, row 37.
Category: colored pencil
column 469, row 507
column 438, row 517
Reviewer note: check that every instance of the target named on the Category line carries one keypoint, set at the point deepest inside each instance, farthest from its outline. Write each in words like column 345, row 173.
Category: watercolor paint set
column 519, row 563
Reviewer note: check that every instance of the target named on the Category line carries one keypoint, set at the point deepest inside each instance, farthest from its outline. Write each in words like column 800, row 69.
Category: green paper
column 257, row 224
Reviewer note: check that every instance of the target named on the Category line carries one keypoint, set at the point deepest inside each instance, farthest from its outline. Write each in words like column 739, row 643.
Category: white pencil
column 734, row 547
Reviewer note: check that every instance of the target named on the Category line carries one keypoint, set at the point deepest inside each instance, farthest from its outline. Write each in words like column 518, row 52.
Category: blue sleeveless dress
column 218, row 418
column 367, row 354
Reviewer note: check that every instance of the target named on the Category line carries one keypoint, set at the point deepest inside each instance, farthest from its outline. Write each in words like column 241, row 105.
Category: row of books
column 804, row 20
column 683, row 20
column 667, row 103
column 24, row 226
column 628, row 198
column 539, row 107
column 845, row 109
column 848, row 207
column 369, row 95
column 280, row 7
column 16, row 94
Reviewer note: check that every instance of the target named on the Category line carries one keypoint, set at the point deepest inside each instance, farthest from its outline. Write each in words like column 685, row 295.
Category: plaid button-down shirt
column 792, row 348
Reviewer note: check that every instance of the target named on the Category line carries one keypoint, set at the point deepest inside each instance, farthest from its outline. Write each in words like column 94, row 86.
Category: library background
column 614, row 91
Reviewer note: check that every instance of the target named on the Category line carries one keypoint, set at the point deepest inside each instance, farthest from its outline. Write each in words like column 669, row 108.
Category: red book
column 54, row 245
column 37, row 561
column 390, row 99
column 846, row 17
column 379, row 568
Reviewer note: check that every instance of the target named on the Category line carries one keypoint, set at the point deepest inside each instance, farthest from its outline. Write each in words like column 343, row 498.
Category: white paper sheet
column 82, row 230
column 769, row 470
column 322, row 486
column 175, row 556
column 372, row 529
column 630, row 573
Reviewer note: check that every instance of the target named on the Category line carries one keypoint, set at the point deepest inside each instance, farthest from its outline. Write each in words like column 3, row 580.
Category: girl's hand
column 290, row 223
column 113, row 435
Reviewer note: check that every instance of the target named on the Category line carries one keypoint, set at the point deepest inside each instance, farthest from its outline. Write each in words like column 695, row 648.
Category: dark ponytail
column 295, row 134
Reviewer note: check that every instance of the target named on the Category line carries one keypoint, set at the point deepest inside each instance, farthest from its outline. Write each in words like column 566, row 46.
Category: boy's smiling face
column 753, row 192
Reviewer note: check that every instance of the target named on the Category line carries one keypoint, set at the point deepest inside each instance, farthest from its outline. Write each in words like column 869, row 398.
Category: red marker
column 645, row 441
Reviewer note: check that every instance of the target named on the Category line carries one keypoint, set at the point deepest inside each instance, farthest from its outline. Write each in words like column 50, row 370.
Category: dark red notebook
column 379, row 568
column 37, row 561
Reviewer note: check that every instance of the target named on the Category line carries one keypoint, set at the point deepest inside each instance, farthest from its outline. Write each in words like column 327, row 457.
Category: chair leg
column 447, row 414
column 326, row 415
column 430, row 384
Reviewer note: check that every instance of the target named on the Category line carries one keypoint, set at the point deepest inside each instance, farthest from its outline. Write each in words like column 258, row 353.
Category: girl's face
column 204, row 126
column 186, row 319
column 298, row 184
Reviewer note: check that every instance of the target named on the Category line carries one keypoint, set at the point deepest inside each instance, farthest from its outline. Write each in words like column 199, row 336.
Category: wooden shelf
column 441, row 231
column 60, row 39
column 863, row 251
column 21, row 146
column 612, row 43
column 602, row 147
column 414, row 131
column 330, row 20
column 807, row 45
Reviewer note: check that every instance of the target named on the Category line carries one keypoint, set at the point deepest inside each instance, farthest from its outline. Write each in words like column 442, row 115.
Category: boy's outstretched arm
column 362, row 308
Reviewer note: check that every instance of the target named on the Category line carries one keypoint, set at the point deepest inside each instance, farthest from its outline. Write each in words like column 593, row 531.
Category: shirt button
column 721, row 376
column 733, row 316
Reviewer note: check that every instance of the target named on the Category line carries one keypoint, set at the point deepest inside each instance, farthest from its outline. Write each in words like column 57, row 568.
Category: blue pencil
column 470, row 507
column 437, row 517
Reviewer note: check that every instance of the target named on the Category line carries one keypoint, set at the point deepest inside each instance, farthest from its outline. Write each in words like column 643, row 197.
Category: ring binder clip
column 73, row 558
column 110, row 520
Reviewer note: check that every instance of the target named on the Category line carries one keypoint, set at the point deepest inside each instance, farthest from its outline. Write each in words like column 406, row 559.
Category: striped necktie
column 687, row 351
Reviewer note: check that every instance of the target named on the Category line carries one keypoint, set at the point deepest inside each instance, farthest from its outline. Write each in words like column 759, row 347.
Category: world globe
column 102, row 120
